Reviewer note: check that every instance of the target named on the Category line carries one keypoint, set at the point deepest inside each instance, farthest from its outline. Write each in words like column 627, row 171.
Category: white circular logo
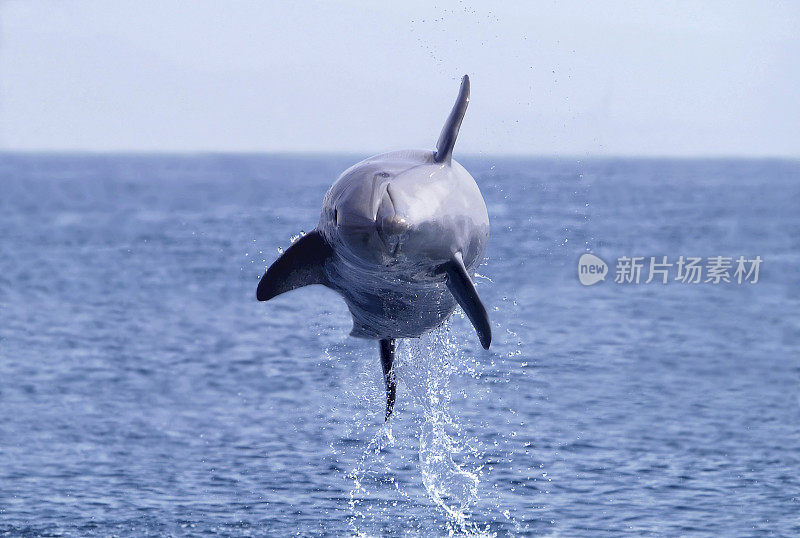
column 591, row 269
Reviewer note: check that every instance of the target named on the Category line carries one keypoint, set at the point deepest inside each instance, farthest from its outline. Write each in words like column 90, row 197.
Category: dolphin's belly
column 390, row 304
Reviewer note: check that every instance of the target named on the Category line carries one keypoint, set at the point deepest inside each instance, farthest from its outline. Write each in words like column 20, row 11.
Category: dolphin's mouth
column 392, row 228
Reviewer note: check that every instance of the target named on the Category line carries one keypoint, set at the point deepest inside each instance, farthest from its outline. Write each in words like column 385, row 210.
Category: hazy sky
column 638, row 78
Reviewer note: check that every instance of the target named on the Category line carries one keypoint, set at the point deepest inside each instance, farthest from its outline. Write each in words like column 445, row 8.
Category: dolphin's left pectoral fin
column 460, row 285
column 302, row 264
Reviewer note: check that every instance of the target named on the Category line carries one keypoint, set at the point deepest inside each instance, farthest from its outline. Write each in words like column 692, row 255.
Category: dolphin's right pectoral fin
column 462, row 288
column 302, row 264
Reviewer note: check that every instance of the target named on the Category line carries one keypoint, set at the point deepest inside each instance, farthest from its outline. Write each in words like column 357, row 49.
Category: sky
column 548, row 78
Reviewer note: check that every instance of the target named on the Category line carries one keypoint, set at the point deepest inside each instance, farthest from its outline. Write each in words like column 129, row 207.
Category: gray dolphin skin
column 398, row 236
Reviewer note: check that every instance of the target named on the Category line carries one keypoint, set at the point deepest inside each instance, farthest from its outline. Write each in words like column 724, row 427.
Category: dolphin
column 397, row 238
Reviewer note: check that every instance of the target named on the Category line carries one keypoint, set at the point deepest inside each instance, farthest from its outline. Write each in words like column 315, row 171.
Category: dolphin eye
column 384, row 174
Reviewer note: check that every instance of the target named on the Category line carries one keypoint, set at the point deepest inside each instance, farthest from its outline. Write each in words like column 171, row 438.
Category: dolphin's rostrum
column 397, row 238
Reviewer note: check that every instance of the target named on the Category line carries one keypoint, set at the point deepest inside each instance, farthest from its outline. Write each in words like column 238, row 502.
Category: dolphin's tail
column 388, row 347
column 447, row 140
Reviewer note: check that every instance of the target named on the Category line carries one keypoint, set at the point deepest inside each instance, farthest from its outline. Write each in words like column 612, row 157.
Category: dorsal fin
column 447, row 140
column 300, row 265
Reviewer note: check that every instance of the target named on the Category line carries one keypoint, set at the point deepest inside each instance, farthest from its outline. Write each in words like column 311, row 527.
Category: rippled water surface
column 145, row 392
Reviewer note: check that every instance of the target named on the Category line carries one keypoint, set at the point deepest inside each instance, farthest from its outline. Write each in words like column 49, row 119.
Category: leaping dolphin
column 398, row 235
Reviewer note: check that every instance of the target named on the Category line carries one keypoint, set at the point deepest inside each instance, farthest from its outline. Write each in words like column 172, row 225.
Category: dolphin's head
column 415, row 209
column 404, row 207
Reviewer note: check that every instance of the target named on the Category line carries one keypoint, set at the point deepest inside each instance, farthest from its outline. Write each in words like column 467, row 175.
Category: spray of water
column 445, row 455
column 427, row 367
column 430, row 468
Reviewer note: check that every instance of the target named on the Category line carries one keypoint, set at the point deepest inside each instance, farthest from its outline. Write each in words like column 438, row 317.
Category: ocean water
column 145, row 392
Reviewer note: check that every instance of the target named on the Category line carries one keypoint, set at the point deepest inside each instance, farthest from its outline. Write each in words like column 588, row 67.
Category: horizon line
column 366, row 154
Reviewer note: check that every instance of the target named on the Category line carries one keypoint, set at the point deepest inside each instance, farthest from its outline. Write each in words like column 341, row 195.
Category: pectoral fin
column 462, row 288
column 302, row 264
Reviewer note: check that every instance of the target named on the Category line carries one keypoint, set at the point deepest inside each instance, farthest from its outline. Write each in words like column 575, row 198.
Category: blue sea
column 145, row 392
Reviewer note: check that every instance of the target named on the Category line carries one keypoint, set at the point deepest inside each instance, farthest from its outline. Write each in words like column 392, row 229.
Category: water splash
column 429, row 470
column 426, row 366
